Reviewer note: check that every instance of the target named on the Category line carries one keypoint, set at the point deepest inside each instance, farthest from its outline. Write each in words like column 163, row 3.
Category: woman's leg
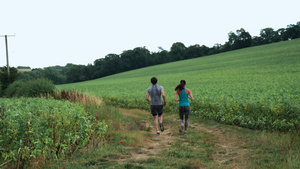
column 186, row 118
column 181, row 114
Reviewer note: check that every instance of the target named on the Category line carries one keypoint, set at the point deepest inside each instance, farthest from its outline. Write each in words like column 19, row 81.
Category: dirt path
column 156, row 143
column 228, row 148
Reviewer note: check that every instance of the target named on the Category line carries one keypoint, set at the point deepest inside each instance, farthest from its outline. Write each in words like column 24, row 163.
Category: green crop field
column 257, row 87
column 45, row 128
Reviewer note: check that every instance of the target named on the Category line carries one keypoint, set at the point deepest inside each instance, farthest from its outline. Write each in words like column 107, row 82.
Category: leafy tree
column 53, row 74
column 280, row 35
column 111, row 64
column 160, row 57
column 76, row 74
column 98, row 64
column 226, row 47
column 32, row 75
column 232, row 37
column 164, row 57
column 90, row 69
column 215, row 49
column 6, row 79
column 240, row 40
column 257, row 40
column 204, row 50
column 244, row 39
column 128, row 60
column 177, row 51
column 193, row 51
column 268, row 35
column 142, row 56
column 293, row 31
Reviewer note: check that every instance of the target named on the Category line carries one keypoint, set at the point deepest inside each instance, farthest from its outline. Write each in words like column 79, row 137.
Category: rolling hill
column 255, row 87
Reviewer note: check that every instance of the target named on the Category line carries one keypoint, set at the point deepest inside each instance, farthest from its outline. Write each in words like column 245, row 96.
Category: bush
column 15, row 89
column 34, row 88
column 39, row 87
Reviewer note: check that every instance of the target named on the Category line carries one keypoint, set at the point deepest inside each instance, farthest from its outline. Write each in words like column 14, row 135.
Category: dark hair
column 153, row 80
column 181, row 85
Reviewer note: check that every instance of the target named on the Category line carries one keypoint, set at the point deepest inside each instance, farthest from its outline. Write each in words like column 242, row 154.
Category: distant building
column 24, row 68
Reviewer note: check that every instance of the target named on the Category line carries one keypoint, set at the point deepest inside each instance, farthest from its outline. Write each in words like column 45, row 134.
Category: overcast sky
column 57, row 32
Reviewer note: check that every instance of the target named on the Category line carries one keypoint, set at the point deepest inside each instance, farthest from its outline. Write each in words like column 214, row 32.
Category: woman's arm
column 190, row 94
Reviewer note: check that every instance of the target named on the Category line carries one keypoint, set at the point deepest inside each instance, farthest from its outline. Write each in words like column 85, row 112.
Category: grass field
column 256, row 87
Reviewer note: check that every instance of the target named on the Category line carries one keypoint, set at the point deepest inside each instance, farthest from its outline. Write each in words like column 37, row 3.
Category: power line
column 7, row 50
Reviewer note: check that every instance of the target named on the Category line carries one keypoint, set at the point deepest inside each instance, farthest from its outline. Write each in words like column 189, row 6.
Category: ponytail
column 181, row 85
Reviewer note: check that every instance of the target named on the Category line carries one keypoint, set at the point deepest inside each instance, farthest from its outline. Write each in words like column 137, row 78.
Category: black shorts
column 156, row 110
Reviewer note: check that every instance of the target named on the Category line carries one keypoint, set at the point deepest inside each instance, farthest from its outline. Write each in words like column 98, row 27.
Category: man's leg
column 160, row 118
column 156, row 123
column 155, row 117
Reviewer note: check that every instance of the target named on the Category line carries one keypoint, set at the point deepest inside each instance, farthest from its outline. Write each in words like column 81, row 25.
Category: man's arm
column 147, row 97
column 164, row 97
column 175, row 98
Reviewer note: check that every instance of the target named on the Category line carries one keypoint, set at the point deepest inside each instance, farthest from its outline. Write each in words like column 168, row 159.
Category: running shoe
column 158, row 133
column 161, row 127
column 181, row 128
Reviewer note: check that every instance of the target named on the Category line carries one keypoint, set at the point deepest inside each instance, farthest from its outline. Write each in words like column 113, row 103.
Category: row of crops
column 254, row 115
column 44, row 128
column 256, row 87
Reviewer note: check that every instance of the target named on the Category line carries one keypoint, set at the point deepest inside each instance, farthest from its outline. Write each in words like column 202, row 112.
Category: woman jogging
column 184, row 105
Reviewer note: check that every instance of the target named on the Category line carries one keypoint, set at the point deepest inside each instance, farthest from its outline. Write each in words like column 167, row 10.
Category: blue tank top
column 183, row 99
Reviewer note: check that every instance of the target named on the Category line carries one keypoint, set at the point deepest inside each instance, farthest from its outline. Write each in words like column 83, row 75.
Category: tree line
column 141, row 57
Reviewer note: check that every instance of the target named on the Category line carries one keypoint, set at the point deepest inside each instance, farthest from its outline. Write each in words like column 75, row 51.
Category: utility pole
column 7, row 51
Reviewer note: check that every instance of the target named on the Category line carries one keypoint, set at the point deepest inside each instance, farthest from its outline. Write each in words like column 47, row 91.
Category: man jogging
column 155, row 92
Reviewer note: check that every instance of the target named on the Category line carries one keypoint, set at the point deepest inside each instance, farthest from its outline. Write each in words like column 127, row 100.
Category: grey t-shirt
column 155, row 93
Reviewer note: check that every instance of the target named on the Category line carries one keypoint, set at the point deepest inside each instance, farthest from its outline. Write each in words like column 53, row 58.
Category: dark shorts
column 156, row 110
